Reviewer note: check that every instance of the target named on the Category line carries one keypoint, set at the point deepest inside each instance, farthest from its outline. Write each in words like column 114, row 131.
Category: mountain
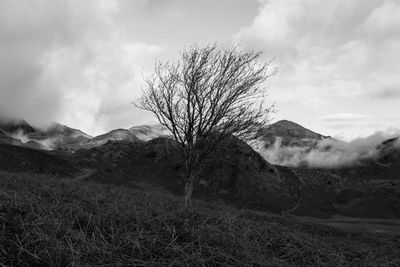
column 15, row 126
column 141, row 133
column 234, row 173
column 288, row 133
column 62, row 137
column 114, row 135
column 144, row 156
column 56, row 130
column 58, row 136
column 148, row 132
column 16, row 134
column 6, row 139
column 384, row 165
column 389, row 152
column 287, row 143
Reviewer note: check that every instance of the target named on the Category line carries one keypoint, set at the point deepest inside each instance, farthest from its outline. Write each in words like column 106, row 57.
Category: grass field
column 47, row 221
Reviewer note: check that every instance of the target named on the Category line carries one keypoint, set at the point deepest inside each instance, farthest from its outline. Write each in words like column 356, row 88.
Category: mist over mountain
column 61, row 137
column 12, row 126
column 284, row 143
column 295, row 168
column 289, row 144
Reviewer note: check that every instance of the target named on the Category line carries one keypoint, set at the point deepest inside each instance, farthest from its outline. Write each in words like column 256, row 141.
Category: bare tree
column 205, row 98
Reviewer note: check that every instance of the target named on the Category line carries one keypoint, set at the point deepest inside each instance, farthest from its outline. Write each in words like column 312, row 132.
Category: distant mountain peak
column 58, row 128
column 286, row 128
column 288, row 133
column 290, row 125
column 286, row 122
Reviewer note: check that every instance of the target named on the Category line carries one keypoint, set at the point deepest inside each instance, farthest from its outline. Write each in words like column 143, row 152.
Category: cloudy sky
column 82, row 62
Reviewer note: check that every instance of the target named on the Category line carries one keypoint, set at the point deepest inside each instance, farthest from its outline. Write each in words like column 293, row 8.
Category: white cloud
column 349, row 126
column 384, row 20
column 81, row 63
column 340, row 117
column 98, row 79
column 333, row 56
column 75, row 64
column 328, row 153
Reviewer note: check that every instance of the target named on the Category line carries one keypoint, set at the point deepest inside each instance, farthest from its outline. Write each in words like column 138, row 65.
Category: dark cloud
column 388, row 93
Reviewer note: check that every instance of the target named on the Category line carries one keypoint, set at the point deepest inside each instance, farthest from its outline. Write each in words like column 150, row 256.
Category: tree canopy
column 205, row 97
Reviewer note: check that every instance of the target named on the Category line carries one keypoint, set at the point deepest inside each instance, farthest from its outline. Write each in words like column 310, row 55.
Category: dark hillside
column 22, row 159
column 234, row 173
column 5, row 139
column 133, row 134
column 239, row 176
column 61, row 222
column 14, row 126
column 386, row 165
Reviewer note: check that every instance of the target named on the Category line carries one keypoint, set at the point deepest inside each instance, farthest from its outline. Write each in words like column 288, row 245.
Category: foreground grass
column 54, row 222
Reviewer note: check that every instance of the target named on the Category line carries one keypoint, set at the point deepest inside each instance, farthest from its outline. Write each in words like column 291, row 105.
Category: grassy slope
column 56, row 222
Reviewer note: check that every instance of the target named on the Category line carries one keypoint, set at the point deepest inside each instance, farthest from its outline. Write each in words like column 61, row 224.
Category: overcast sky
column 82, row 62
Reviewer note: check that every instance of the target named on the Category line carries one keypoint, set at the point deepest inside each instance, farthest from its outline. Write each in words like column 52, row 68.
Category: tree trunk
column 188, row 191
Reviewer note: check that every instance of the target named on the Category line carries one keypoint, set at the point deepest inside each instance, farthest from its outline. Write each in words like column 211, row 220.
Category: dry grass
column 51, row 222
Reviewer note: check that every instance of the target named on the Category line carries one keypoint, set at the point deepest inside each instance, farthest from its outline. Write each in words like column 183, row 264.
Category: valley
column 234, row 174
column 85, row 196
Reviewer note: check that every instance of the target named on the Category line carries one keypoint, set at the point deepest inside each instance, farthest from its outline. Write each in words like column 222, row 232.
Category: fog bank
column 329, row 152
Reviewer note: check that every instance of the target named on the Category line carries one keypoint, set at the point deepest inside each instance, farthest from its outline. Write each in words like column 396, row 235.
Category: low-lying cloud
column 47, row 143
column 329, row 152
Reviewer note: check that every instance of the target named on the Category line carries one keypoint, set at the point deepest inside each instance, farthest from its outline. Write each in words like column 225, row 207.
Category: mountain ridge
column 235, row 174
column 290, row 134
